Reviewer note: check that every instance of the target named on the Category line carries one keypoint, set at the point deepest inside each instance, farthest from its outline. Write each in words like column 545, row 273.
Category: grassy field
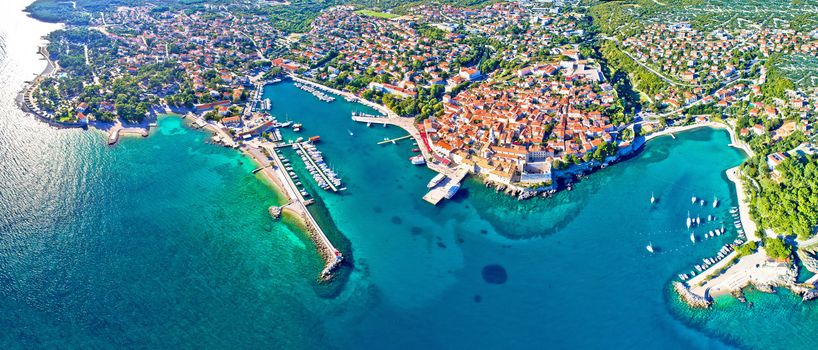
column 377, row 14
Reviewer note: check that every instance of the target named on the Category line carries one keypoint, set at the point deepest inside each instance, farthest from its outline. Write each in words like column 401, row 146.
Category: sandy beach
column 749, row 225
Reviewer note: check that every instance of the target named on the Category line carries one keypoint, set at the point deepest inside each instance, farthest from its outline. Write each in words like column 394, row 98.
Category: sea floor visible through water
column 166, row 242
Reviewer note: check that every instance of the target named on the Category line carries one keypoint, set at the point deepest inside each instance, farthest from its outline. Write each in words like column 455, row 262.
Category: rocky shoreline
column 695, row 301
column 332, row 263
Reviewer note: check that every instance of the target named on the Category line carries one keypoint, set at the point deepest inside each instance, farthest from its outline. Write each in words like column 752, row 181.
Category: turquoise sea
column 165, row 242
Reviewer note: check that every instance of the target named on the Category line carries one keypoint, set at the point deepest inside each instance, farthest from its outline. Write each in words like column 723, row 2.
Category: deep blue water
column 165, row 242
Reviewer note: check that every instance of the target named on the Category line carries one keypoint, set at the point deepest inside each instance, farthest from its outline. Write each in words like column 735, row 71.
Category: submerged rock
column 494, row 274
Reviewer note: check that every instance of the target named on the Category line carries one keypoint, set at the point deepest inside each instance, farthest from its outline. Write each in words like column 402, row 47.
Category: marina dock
column 320, row 171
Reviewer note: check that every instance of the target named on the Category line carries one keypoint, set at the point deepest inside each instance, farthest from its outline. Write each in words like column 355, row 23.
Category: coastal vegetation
column 793, row 191
column 747, row 249
column 777, row 249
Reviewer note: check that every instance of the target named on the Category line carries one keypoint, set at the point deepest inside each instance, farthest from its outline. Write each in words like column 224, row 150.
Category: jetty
column 275, row 212
column 298, row 205
column 117, row 130
column 256, row 170
column 394, row 140
column 444, row 189
column 318, row 169
column 454, row 175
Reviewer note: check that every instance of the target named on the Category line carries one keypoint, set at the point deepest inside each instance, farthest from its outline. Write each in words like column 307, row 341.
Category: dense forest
column 788, row 205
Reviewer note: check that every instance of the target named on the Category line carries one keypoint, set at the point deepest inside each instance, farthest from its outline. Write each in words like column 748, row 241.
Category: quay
column 394, row 140
column 408, row 125
column 117, row 130
column 298, row 204
column 443, row 189
column 320, row 171
column 455, row 175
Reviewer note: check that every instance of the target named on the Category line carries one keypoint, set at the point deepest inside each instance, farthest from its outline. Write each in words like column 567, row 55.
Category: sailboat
column 652, row 198
column 701, row 202
column 650, row 247
column 693, row 200
column 715, row 201
column 688, row 219
column 693, row 237
column 722, row 228
column 698, row 220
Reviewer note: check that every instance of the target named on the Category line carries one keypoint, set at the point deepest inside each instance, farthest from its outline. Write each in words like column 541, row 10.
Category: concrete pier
column 298, row 204
column 394, row 140
column 438, row 193
column 455, row 175
column 317, row 168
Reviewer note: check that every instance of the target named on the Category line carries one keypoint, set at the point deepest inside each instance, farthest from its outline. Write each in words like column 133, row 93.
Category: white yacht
column 435, row 180
column 650, row 247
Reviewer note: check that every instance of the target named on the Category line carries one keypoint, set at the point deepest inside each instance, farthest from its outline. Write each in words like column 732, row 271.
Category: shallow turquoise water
column 165, row 242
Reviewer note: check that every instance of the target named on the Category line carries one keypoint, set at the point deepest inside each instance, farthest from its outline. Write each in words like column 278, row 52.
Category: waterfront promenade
column 408, row 125
column 455, row 175
column 734, row 141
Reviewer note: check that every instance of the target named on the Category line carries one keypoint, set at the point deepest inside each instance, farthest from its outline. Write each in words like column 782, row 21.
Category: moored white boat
column 435, row 180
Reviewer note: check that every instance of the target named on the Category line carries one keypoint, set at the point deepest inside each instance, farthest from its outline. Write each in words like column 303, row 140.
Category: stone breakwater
column 691, row 299
column 327, row 254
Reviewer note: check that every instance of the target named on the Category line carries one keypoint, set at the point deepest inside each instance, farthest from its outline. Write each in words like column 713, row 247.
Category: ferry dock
column 447, row 187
